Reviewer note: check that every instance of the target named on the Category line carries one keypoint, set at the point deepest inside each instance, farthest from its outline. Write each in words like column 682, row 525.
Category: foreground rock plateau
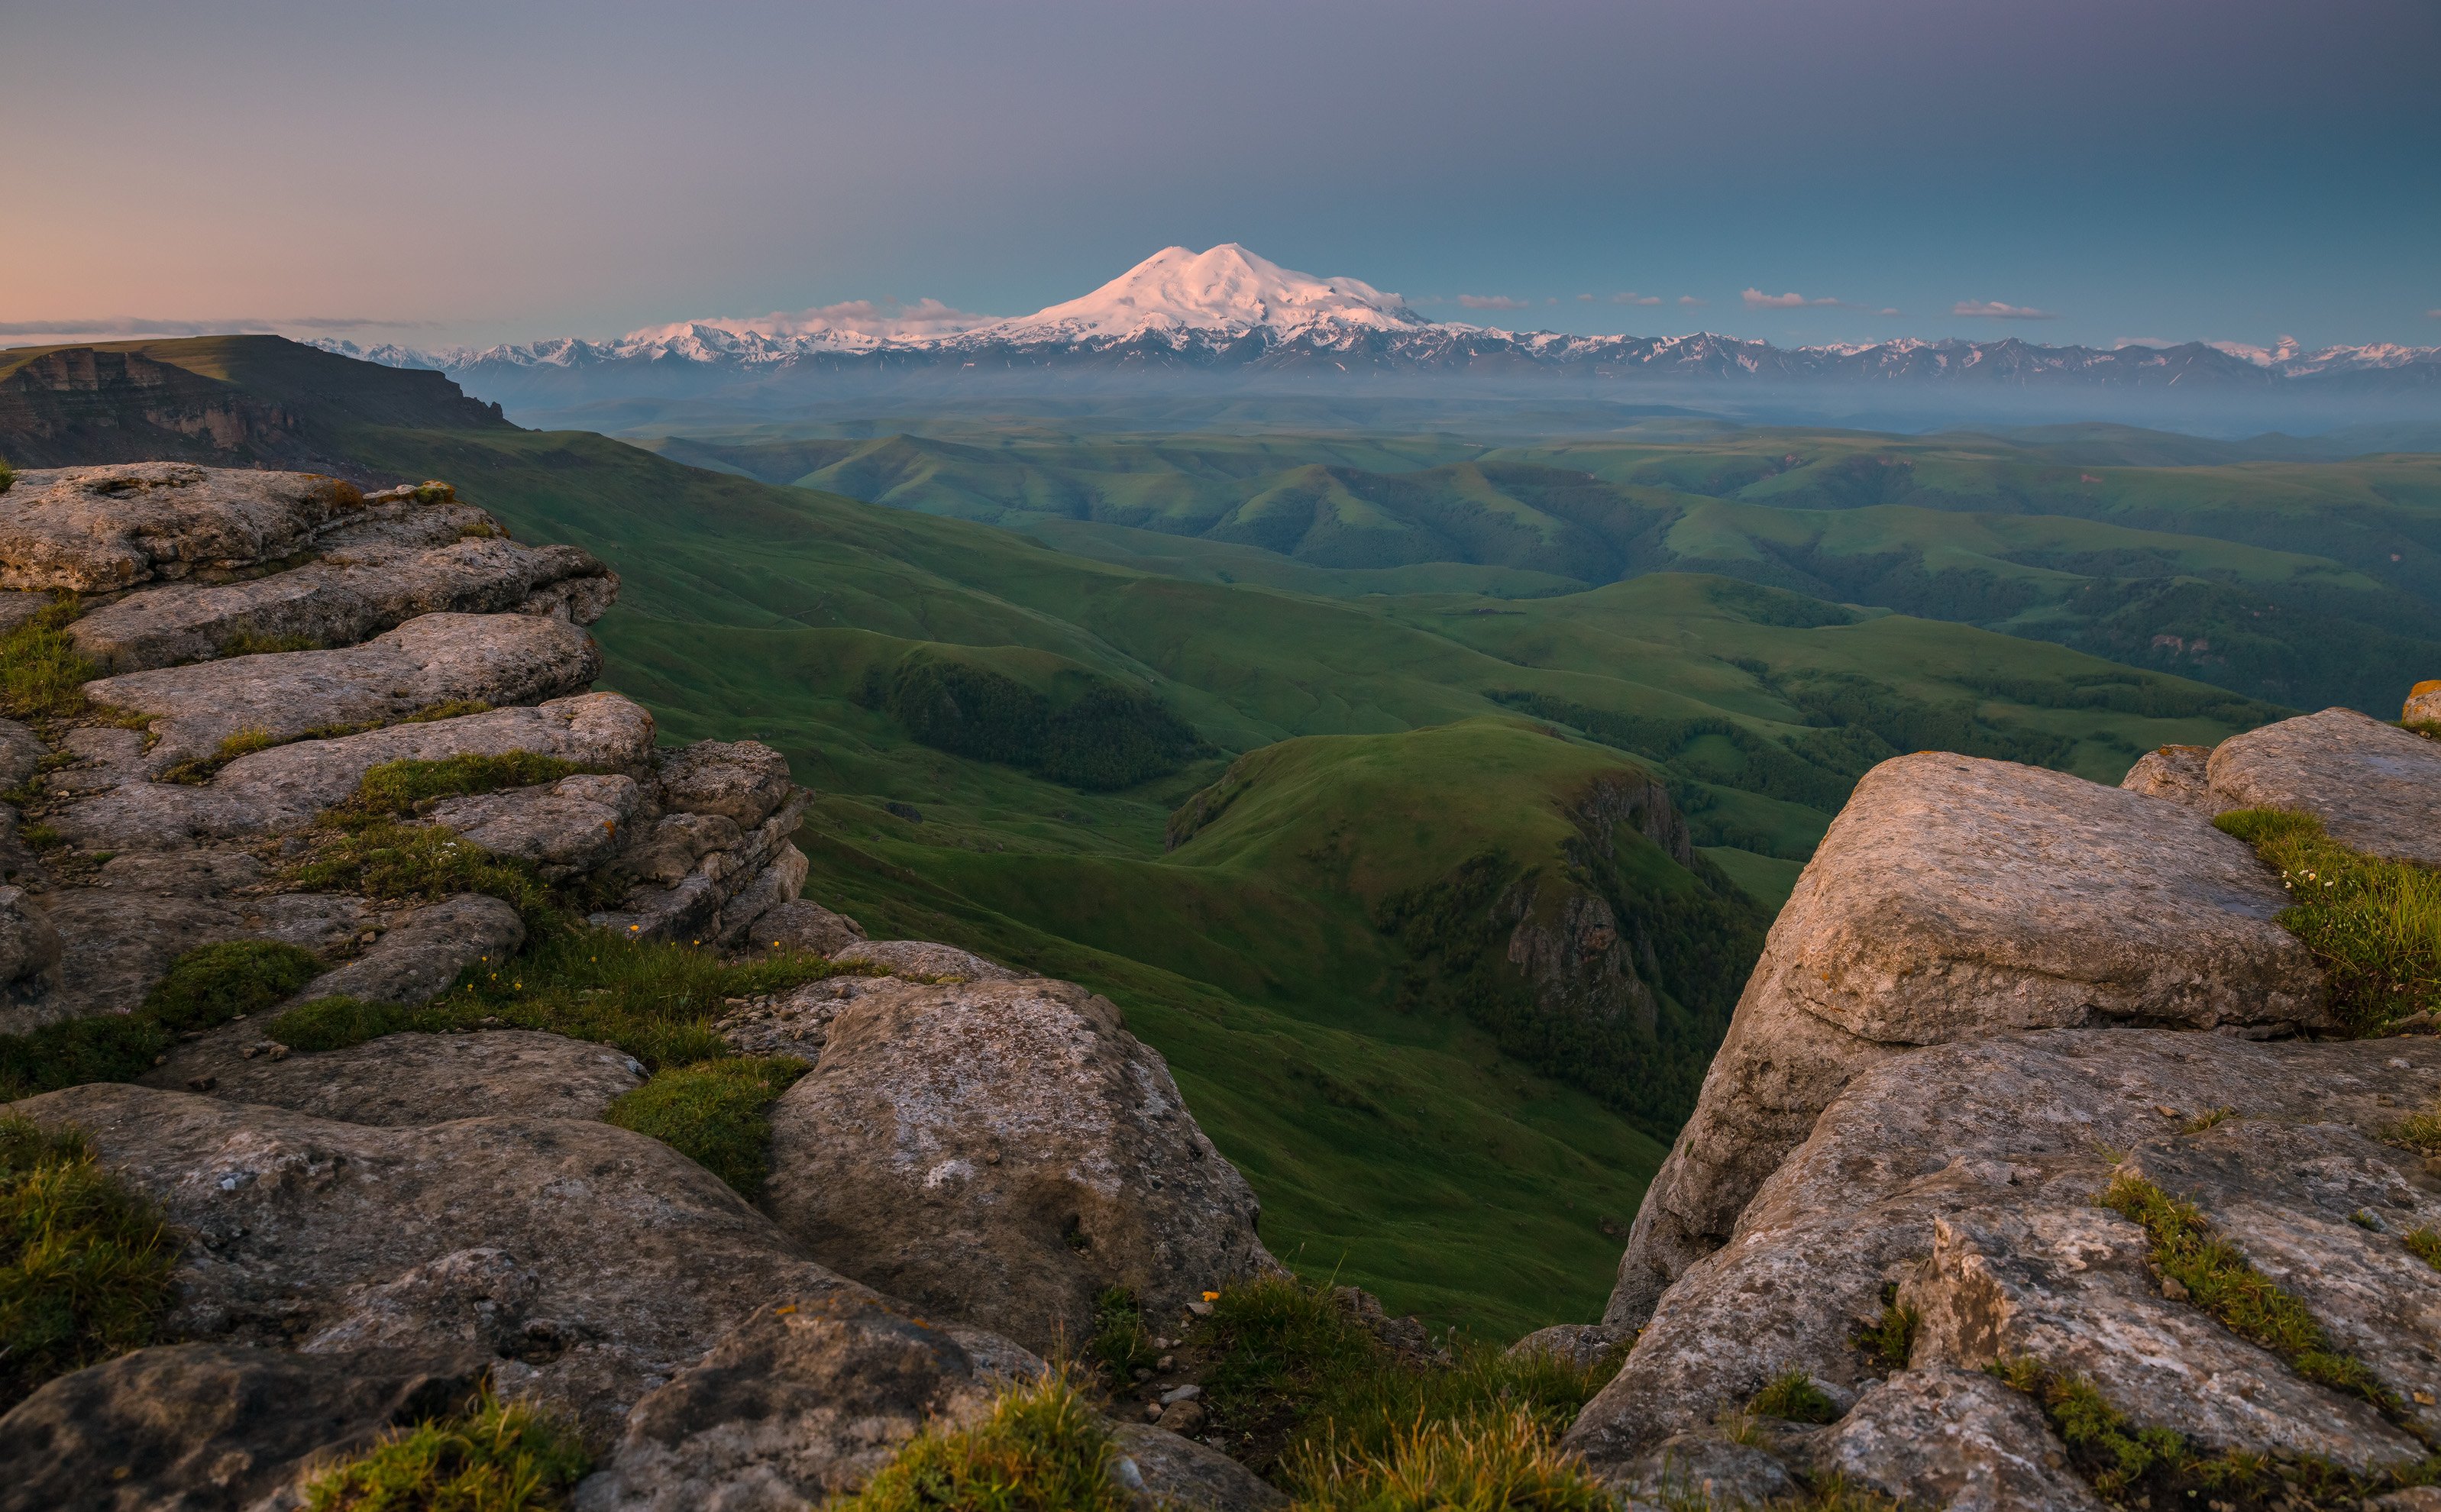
column 367, row 1232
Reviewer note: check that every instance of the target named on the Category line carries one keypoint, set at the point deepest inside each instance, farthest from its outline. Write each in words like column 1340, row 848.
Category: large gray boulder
column 2376, row 787
column 563, row 827
column 284, row 788
column 95, row 529
column 429, row 661
column 405, row 1079
column 215, row 1427
column 1001, row 1153
column 2174, row 773
column 590, row 1264
column 1955, row 898
column 1968, row 1176
column 343, row 596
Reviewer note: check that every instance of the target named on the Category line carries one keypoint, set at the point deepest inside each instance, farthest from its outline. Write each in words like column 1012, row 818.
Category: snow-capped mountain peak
column 1225, row 291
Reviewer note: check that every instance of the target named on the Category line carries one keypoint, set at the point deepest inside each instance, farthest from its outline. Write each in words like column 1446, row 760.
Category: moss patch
column 1043, row 1448
column 1888, row 1341
column 427, row 863
column 395, row 789
column 714, row 1113
column 211, row 984
column 656, row 1001
column 2223, row 1283
column 1121, row 1344
column 493, row 1458
column 85, row 1260
column 203, row 769
column 2373, row 925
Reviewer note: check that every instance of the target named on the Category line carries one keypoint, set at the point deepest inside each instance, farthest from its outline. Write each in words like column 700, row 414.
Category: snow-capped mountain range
column 1227, row 310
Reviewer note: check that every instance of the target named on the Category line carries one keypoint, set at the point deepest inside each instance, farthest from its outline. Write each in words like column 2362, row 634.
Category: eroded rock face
column 2376, row 787
column 343, row 596
column 741, row 780
column 563, row 827
column 1002, row 1152
column 428, row 662
column 29, row 948
column 285, row 787
column 589, row 1263
column 402, row 1080
column 1969, row 1175
column 213, row 1428
column 801, row 924
column 1955, row 898
column 801, row 1403
column 93, row 529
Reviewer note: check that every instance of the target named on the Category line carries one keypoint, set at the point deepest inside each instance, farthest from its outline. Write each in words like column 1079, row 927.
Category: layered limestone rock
column 1001, row 1153
column 1955, row 898
column 96, row 528
column 399, row 1080
column 1970, row 1177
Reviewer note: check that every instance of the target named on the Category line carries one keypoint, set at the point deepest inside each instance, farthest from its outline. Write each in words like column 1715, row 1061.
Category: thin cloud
column 1632, row 297
column 1493, row 302
column 1757, row 299
column 1690, row 301
column 1995, row 310
column 2432, row 315
column 885, row 319
column 1890, row 311
column 138, row 326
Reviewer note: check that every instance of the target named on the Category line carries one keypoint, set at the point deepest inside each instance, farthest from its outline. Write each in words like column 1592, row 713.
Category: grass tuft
column 493, row 1458
column 421, row 863
column 1792, row 1396
column 2424, row 1245
column 1042, row 1449
column 41, row 673
column 85, row 1260
column 211, row 984
column 1503, row 1462
column 1888, row 1341
column 1120, row 1343
column 2223, row 1283
column 254, row 644
column 2373, row 925
column 714, row 1113
column 393, row 789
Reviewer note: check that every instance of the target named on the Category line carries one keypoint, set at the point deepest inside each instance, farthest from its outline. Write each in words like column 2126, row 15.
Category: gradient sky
column 437, row 172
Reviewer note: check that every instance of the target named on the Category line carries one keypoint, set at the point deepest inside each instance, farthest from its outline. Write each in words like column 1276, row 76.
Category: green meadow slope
column 2303, row 582
column 1291, row 873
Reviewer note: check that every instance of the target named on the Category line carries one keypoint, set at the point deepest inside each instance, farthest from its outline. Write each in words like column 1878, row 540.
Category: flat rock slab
column 403, row 1080
column 742, row 781
column 431, row 660
column 419, row 957
column 93, row 529
column 573, row 823
column 589, row 1263
column 282, row 789
column 1954, row 898
column 215, row 1427
column 1004, row 1153
column 2376, row 787
column 1177, row 1471
column 1969, row 1175
column 20, row 753
column 341, row 598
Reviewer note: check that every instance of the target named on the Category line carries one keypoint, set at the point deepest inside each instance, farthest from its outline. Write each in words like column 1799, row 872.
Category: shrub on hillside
column 1108, row 736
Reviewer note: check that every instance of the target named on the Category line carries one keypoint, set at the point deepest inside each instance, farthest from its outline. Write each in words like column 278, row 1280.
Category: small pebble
column 202, row 1083
column 1152, row 1411
column 278, row 1052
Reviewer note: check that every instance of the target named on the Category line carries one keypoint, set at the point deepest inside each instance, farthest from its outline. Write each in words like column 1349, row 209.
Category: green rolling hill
column 1293, row 817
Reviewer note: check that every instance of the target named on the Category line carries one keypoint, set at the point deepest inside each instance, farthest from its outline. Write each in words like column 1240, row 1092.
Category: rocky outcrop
column 2174, row 772
column 587, row 1262
column 215, row 1427
column 1969, row 1177
column 1001, row 1153
column 1955, row 898
column 2423, row 703
column 344, row 597
column 418, row 956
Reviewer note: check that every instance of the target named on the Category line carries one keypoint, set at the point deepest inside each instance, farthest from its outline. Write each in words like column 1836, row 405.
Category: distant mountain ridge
column 1226, row 311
